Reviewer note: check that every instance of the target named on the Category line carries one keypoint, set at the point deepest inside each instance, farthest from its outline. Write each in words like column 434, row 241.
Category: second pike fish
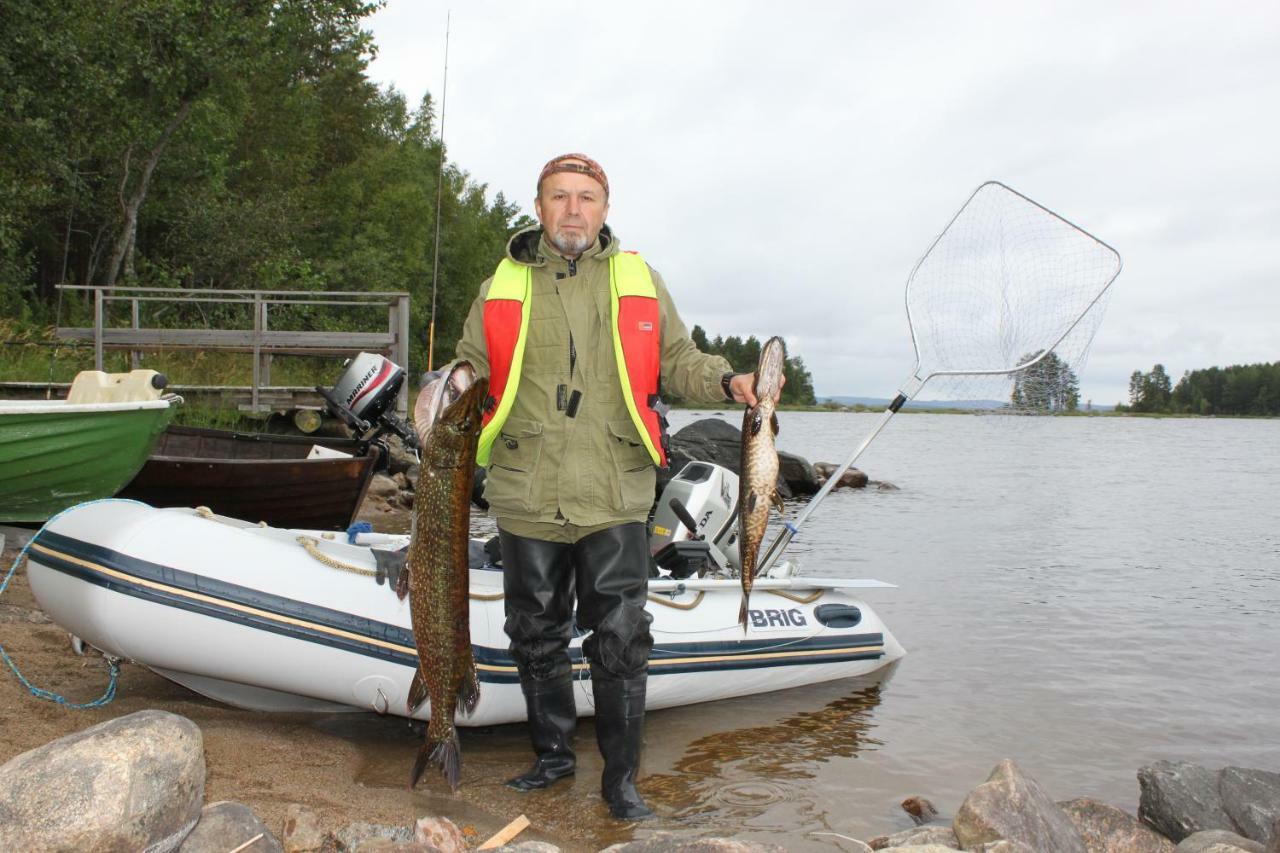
column 758, row 485
column 437, row 568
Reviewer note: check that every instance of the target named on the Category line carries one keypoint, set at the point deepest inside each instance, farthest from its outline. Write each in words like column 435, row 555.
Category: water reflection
column 763, row 774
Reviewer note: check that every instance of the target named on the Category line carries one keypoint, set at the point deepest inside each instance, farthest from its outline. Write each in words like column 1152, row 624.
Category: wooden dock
column 262, row 341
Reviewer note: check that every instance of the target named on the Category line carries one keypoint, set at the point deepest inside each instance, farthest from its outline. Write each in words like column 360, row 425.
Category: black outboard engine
column 365, row 396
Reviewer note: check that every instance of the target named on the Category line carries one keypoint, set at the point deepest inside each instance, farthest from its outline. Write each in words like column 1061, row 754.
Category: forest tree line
column 744, row 355
column 1240, row 389
column 190, row 144
column 187, row 144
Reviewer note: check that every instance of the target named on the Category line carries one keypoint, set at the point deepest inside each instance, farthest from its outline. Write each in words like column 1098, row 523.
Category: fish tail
column 742, row 611
column 445, row 753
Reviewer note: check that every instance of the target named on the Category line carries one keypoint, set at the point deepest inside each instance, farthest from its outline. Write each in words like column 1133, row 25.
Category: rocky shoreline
column 138, row 782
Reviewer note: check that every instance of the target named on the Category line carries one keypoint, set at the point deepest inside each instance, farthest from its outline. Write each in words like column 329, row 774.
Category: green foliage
column 1240, row 389
column 1150, row 392
column 1049, row 385
column 275, row 162
column 743, row 356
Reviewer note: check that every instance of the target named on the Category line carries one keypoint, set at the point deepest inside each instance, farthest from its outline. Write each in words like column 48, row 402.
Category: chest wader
column 608, row 570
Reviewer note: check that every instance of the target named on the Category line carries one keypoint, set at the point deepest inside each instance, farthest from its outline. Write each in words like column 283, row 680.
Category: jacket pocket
column 513, row 465
column 632, row 468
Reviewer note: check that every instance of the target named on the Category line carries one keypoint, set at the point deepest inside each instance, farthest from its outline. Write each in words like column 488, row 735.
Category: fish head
column 457, row 425
column 773, row 359
column 440, row 388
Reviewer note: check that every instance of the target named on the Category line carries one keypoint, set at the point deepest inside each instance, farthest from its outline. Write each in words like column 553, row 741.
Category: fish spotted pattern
column 758, row 485
column 438, row 575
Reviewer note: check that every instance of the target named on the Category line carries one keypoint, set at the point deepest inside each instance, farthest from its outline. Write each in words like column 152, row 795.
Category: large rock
column 132, row 783
column 1179, row 798
column 1107, row 829
column 352, row 837
column 528, row 847
column 225, row 826
column 937, row 836
column 399, row 458
column 441, row 833
column 302, row 832
column 382, row 486
column 850, row 479
column 1011, row 806
column 665, row 842
column 713, row 440
column 1251, row 798
column 386, row 845
column 1218, row 841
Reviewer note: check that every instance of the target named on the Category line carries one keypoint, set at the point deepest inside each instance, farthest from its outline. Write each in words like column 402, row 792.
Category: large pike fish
column 437, row 568
column 758, row 484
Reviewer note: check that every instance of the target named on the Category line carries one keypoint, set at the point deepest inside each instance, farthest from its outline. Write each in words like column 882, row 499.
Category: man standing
column 575, row 336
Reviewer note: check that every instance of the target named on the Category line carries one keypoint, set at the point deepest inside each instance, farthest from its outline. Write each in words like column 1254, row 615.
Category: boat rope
column 666, row 602
column 209, row 515
column 799, row 599
column 312, row 547
column 113, row 662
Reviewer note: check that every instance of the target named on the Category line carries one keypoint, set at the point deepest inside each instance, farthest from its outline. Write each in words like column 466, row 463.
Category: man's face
column 571, row 208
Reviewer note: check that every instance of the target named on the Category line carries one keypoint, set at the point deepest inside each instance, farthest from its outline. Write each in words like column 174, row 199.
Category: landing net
column 1002, row 308
column 1004, row 305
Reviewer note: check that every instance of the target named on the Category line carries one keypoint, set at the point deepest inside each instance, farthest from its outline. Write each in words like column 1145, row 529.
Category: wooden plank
column 274, row 340
column 386, row 296
column 505, row 834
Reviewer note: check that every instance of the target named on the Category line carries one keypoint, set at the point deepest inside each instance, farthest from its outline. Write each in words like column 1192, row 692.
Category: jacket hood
column 529, row 247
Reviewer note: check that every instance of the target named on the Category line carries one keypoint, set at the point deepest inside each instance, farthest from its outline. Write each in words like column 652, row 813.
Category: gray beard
column 570, row 244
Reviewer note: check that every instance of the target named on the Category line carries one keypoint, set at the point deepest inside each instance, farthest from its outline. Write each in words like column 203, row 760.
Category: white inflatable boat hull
column 247, row 616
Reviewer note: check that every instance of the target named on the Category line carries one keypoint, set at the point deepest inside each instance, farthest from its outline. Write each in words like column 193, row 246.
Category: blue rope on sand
column 113, row 662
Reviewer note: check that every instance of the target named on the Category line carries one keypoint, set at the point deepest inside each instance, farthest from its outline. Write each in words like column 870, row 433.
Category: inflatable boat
column 289, row 620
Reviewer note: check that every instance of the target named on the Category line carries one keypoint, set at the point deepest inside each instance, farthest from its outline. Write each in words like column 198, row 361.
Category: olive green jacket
column 590, row 469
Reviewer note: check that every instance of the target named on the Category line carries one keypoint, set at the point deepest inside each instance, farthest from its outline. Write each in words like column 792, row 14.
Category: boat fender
column 838, row 615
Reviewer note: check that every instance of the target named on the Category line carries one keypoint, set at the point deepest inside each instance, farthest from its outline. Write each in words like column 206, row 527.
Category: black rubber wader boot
column 620, row 734
column 612, row 576
column 553, row 718
column 538, row 582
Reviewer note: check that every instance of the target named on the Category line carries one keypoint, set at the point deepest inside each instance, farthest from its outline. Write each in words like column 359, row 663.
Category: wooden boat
column 257, row 477
column 288, row 620
column 56, row 453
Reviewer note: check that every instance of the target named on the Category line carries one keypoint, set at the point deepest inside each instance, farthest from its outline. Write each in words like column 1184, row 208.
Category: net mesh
column 1006, row 281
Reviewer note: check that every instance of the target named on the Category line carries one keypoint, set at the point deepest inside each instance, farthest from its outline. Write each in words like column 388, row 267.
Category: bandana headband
column 560, row 164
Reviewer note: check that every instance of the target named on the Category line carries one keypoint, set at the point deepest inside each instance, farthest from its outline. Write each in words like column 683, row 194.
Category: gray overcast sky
column 785, row 164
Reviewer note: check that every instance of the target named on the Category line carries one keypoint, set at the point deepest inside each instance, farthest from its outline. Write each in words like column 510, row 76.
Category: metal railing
column 262, row 340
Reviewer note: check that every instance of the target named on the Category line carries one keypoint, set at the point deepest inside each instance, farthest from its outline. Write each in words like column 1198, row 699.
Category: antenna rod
column 435, row 262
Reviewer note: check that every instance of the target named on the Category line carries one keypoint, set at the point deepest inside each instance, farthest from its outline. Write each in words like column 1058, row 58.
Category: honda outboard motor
column 695, row 524
column 365, row 397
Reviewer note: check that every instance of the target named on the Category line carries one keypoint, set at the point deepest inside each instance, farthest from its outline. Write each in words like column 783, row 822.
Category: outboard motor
column 365, row 396
column 695, row 524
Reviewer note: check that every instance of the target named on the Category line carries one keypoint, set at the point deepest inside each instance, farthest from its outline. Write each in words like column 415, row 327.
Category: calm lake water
column 1083, row 595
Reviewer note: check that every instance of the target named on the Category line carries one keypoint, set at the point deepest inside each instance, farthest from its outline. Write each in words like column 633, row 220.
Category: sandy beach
column 346, row 767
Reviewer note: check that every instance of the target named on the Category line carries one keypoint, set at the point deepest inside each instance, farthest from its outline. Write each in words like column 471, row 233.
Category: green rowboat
column 55, row 454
